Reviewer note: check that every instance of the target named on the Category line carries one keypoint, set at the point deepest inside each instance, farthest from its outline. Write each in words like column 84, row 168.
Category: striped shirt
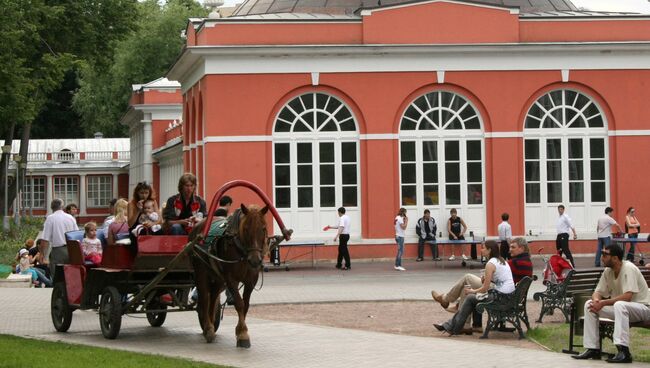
column 521, row 266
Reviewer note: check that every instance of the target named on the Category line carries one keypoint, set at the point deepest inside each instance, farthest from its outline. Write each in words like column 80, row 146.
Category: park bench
column 560, row 295
column 606, row 325
column 509, row 308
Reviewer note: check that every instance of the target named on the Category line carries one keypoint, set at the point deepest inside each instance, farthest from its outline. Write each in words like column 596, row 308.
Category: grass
column 12, row 241
column 18, row 352
column 555, row 336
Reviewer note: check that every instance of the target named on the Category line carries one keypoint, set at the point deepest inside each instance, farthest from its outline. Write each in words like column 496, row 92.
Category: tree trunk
column 8, row 139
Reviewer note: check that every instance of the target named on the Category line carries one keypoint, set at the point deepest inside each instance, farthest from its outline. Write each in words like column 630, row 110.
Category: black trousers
column 343, row 251
column 504, row 249
column 434, row 248
column 562, row 246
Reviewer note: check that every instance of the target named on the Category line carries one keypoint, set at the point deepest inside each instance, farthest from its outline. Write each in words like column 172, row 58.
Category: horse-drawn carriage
column 156, row 278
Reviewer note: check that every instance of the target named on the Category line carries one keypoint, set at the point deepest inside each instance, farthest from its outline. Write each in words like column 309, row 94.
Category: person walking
column 505, row 236
column 564, row 226
column 426, row 229
column 343, row 236
column 604, row 230
column 632, row 228
column 54, row 229
column 400, row 222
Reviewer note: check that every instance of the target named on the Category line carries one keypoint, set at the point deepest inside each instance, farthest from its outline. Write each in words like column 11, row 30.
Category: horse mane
column 232, row 227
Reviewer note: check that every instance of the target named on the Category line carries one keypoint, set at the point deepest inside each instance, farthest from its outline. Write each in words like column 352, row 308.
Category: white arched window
column 565, row 161
column 316, row 162
column 441, row 159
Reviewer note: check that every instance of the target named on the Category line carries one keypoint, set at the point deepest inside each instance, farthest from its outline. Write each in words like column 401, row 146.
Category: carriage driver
column 628, row 300
column 185, row 209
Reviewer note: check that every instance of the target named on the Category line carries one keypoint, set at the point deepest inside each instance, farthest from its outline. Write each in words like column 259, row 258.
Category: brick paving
column 282, row 344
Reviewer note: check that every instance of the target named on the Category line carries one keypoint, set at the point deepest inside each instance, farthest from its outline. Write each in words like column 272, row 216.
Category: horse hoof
column 209, row 336
column 243, row 344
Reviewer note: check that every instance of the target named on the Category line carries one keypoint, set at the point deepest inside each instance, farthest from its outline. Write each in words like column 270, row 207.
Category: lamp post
column 18, row 160
column 5, row 220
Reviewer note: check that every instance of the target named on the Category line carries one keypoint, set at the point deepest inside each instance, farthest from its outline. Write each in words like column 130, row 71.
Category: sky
column 638, row 6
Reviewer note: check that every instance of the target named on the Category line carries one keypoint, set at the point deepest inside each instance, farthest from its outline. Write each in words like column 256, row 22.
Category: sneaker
column 437, row 259
column 396, row 268
column 401, row 268
column 452, row 258
column 338, row 266
column 419, row 259
column 465, row 258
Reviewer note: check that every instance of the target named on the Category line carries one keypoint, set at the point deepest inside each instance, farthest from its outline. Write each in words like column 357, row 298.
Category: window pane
column 326, row 153
column 452, row 152
column 597, row 170
column 408, row 195
column 349, row 174
column 597, row 148
column 430, row 172
column 532, row 193
column 598, row 192
column 327, row 174
column 452, row 172
column 304, row 152
column 475, row 194
column 576, row 192
column 305, row 197
column 532, row 149
column 554, row 170
column 429, row 151
column 408, row 173
column 408, row 151
column 349, row 151
column 576, row 171
column 431, row 195
column 554, row 192
column 553, row 149
column 349, row 196
column 453, row 194
column 532, row 170
column 282, row 175
column 282, row 197
column 327, row 198
column 575, row 148
column 474, row 150
column 304, row 175
column 474, row 172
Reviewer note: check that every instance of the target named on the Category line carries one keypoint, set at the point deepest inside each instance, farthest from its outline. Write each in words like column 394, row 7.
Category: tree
column 146, row 54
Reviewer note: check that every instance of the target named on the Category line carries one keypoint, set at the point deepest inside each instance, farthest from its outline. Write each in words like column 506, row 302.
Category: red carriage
column 154, row 279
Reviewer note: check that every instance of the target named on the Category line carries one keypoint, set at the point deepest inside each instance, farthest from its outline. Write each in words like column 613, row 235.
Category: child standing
column 92, row 247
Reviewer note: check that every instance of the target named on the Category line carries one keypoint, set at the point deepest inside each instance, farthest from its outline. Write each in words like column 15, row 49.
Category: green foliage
column 555, row 337
column 12, row 241
column 144, row 55
column 62, row 355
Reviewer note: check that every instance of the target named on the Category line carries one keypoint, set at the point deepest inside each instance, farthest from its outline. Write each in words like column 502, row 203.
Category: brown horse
column 234, row 258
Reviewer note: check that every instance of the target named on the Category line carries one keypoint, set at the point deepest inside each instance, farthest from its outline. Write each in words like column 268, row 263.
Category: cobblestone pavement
column 281, row 344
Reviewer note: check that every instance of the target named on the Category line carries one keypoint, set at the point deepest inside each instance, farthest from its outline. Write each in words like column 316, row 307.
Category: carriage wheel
column 110, row 312
column 156, row 319
column 61, row 310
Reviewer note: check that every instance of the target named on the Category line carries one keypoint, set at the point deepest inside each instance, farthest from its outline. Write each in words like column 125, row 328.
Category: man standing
column 505, row 235
column 426, row 229
column 520, row 262
column 343, row 235
column 604, row 230
column 54, row 229
column 564, row 225
column 628, row 301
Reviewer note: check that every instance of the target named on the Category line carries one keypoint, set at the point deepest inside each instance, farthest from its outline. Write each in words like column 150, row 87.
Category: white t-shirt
column 564, row 224
column 605, row 223
column 399, row 221
column 505, row 231
column 502, row 277
column 344, row 223
column 55, row 227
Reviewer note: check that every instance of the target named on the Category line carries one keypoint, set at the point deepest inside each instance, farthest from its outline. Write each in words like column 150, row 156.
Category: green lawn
column 11, row 242
column 555, row 336
column 18, row 352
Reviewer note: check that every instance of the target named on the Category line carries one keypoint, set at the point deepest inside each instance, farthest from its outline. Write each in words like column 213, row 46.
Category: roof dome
column 255, row 7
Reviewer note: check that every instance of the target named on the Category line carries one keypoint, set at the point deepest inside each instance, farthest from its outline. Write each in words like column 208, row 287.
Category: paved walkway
column 281, row 344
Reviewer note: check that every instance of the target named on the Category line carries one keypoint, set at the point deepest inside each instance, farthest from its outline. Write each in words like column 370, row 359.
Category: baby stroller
column 556, row 270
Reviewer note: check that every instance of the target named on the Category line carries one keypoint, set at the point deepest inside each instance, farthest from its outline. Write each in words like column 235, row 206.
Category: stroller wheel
column 641, row 262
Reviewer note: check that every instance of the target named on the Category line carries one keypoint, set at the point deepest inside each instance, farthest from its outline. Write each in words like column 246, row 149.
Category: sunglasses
column 606, row 254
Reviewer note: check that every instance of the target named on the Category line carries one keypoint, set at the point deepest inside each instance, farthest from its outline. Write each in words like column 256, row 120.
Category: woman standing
column 401, row 221
column 497, row 271
column 632, row 228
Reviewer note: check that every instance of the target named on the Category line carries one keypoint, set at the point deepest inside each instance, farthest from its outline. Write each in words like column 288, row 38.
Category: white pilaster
column 82, row 194
column 147, row 147
column 49, row 191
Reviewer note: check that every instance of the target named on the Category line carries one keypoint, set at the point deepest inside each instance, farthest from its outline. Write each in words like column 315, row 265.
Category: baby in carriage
column 148, row 221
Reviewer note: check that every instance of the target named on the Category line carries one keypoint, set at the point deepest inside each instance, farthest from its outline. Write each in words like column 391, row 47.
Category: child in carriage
column 148, row 220
column 90, row 245
column 556, row 269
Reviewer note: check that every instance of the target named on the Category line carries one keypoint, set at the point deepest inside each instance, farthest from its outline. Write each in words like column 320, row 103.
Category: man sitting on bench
column 629, row 301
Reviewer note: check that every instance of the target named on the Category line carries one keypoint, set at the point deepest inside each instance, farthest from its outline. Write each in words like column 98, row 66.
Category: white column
column 49, row 191
column 82, row 194
column 115, row 189
column 147, row 147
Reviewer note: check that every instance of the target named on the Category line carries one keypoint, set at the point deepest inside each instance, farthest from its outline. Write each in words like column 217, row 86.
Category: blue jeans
column 400, row 250
column 630, row 254
column 177, row 229
column 602, row 243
